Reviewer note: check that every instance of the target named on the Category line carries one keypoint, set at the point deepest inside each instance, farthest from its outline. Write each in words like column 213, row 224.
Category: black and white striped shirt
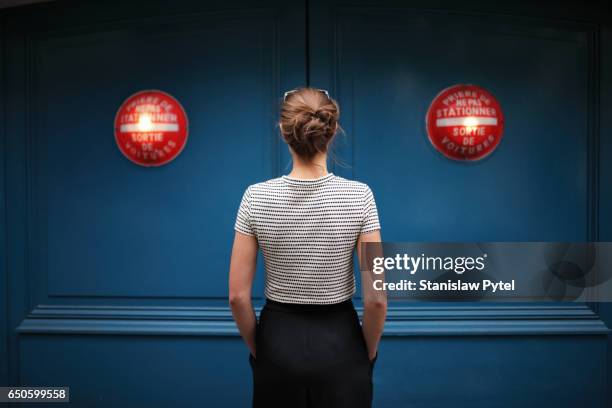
column 307, row 230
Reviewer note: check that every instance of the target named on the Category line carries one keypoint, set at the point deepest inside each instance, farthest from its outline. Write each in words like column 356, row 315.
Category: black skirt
column 311, row 356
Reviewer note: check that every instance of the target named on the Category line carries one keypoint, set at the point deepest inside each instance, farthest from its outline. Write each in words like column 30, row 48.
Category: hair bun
column 322, row 116
column 308, row 121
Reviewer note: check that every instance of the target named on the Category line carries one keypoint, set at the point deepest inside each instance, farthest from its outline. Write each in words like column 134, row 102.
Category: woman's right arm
column 374, row 302
column 242, row 272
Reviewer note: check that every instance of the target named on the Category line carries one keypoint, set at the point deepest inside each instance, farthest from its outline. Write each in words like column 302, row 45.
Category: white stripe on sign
column 150, row 127
column 466, row 121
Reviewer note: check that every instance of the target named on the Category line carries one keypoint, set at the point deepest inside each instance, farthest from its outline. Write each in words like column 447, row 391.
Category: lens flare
column 144, row 123
column 470, row 121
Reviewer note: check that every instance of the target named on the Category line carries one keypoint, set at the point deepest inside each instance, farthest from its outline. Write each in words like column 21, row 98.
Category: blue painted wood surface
column 114, row 277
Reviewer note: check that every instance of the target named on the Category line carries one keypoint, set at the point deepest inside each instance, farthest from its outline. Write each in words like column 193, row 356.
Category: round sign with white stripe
column 151, row 128
column 465, row 122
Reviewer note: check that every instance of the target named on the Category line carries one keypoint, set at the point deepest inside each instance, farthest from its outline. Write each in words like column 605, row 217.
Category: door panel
column 148, row 224
column 103, row 227
column 387, row 65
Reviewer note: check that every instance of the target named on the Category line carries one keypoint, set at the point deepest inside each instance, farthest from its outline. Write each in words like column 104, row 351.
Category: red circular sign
column 151, row 128
column 465, row 122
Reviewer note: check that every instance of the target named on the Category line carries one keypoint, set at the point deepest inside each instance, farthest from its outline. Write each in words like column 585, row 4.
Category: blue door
column 115, row 275
column 118, row 273
column 385, row 64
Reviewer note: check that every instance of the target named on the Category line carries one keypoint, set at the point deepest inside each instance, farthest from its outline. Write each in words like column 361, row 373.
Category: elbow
column 237, row 299
column 379, row 305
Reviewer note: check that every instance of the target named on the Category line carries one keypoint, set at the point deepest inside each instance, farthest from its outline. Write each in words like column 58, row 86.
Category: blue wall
column 113, row 276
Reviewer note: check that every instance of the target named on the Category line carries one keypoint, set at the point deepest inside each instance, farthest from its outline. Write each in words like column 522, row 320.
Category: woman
column 308, row 348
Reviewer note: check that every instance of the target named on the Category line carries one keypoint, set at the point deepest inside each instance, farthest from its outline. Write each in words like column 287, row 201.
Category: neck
column 315, row 168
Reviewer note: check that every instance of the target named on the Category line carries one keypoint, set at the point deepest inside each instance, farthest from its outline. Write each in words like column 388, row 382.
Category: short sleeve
column 243, row 218
column 370, row 218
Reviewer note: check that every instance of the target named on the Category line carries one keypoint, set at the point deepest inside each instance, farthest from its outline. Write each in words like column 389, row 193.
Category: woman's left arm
column 242, row 272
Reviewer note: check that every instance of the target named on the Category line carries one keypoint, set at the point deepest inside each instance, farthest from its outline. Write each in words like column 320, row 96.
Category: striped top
column 307, row 230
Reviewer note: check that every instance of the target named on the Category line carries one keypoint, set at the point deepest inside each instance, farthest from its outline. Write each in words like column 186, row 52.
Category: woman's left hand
column 372, row 357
